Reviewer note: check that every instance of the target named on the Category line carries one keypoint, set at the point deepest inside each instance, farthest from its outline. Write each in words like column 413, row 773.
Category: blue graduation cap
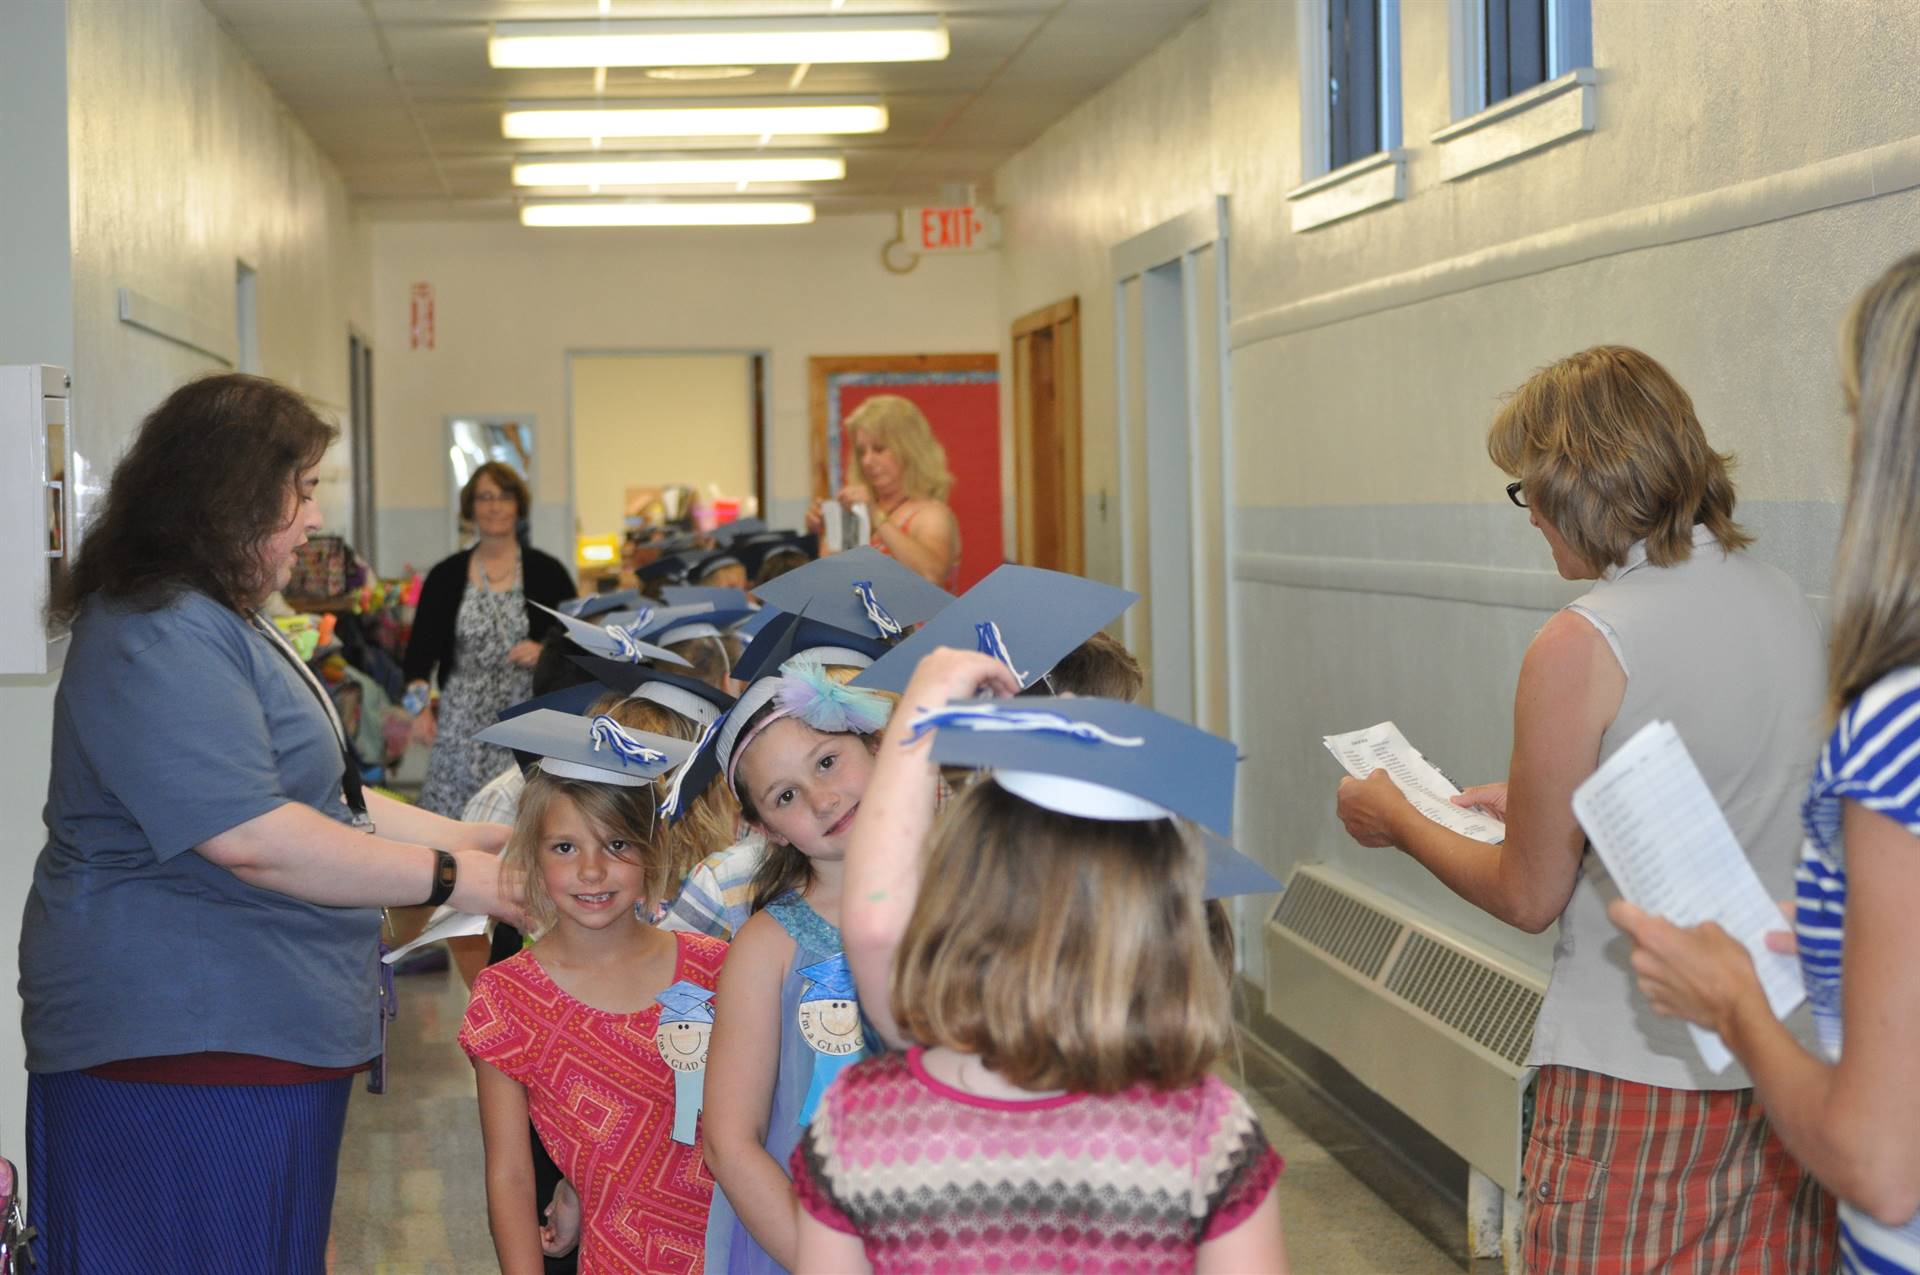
column 647, row 619
column 573, row 699
column 600, row 603
column 706, row 623
column 828, row 980
column 690, row 697
column 860, row 591
column 1028, row 618
column 739, row 529
column 612, row 642
column 679, row 595
column 686, row 1002
column 1095, row 758
column 598, row 749
column 755, row 552
column 711, row 562
column 668, row 568
column 782, row 635
column 1230, row 872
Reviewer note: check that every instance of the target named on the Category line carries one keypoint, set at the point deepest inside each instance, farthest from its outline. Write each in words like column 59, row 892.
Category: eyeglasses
column 1513, row 494
column 495, row 497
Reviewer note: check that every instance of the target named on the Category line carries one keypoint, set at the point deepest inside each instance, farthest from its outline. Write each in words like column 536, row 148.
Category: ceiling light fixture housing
column 678, row 168
column 902, row 37
column 696, row 117
column 661, row 212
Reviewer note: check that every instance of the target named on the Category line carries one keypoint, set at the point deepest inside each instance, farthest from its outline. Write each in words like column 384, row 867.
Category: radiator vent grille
column 1481, row 1003
column 1351, row 932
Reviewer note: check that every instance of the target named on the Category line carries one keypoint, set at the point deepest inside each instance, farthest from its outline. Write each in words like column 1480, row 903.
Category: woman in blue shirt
column 1852, row 1115
column 198, row 956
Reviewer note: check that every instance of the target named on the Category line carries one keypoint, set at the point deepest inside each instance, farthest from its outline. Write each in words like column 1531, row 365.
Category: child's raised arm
column 883, row 853
column 743, row 1064
column 511, row 1213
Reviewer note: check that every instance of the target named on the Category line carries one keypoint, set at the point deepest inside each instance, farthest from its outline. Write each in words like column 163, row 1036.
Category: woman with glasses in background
column 1640, row 1158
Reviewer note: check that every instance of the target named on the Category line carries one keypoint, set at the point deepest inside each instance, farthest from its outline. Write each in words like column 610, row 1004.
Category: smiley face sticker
column 829, row 1021
column 681, row 1036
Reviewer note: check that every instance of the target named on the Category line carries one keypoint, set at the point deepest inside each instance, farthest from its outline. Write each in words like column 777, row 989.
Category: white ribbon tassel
column 988, row 717
column 670, row 804
column 882, row 619
column 605, row 731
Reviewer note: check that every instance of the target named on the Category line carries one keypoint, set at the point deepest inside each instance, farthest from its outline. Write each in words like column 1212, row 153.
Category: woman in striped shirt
column 1852, row 1117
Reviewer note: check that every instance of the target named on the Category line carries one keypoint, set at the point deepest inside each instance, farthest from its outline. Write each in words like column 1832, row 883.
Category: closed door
column 1046, row 397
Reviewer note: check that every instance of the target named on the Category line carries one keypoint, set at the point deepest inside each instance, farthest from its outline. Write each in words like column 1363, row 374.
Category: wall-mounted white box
column 37, row 526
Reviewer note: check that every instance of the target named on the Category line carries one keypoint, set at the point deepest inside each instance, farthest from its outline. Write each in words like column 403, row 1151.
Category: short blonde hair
column 895, row 421
column 613, row 811
column 1607, row 448
column 1066, row 953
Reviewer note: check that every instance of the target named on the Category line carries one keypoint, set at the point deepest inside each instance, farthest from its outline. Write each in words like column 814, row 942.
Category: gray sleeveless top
column 1726, row 648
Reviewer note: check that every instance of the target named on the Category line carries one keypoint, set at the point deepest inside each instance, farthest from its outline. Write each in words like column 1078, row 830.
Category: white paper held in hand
column 1654, row 823
column 1383, row 747
column 444, row 924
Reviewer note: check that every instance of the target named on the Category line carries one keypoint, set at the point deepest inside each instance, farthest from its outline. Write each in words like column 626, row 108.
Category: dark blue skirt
column 212, row 1179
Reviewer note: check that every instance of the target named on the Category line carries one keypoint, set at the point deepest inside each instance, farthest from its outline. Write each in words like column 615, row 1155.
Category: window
column 1521, row 43
column 1363, row 79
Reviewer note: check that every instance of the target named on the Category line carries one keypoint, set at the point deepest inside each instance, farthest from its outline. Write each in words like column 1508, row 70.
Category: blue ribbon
column 987, row 636
column 882, row 619
column 606, row 731
column 988, row 717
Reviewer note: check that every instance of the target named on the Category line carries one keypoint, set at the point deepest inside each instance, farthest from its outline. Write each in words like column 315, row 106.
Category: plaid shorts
column 1630, row 1179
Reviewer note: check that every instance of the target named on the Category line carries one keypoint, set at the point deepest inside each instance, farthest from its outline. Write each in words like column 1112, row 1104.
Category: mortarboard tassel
column 670, row 804
column 987, row 717
column 991, row 643
column 612, row 734
column 883, row 621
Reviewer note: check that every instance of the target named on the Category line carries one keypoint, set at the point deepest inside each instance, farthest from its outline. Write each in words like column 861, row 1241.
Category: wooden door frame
column 1067, row 387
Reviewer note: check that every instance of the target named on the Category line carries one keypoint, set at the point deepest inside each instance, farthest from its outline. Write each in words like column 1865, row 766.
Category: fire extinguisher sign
column 420, row 318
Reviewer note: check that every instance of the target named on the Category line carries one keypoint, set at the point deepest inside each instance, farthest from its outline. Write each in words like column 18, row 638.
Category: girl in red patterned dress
column 597, row 1031
column 1052, row 977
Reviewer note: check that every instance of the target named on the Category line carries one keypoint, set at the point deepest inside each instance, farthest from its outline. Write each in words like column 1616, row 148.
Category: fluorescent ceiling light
column 637, row 212
column 676, row 168
column 711, row 117
column 908, row 37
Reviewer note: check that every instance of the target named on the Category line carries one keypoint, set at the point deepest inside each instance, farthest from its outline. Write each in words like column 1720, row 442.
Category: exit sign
column 959, row 228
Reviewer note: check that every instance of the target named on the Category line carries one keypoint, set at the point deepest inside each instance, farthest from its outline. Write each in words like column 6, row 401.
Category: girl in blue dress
column 797, row 751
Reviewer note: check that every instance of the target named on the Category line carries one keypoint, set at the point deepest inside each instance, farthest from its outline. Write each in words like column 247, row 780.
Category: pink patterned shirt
column 936, row 1180
column 602, row 1098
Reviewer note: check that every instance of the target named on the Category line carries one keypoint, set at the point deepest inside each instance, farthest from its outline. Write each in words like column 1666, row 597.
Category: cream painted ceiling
column 399, row 93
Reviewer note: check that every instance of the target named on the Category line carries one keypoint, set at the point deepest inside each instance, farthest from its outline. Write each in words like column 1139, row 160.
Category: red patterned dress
column 935, row 1180
column 602, row 1098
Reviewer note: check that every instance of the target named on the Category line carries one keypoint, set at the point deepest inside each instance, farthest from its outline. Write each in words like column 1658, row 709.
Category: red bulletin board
column 960, row 394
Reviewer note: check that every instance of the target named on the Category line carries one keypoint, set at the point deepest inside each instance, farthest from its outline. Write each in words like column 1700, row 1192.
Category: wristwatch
column 446, row 870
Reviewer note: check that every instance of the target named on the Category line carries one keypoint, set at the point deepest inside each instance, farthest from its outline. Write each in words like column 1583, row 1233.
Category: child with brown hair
column 1047, row 961
column 592, row 1000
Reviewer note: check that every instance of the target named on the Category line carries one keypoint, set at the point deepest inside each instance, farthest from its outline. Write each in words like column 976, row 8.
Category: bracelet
column 446, row 870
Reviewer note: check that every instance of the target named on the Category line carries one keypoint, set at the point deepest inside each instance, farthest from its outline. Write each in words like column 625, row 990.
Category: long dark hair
column 205, row 482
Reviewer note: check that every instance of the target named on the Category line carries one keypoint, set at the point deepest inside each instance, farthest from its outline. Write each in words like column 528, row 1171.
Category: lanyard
column 349, row 768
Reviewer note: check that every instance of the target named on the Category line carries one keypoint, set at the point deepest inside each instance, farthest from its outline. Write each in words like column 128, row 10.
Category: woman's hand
column 525, row 653
column 562, row 1229
column 1699, row 974
column 482, row 889
column 1373, row 809
column 424, row 727
column 1783, row 941
column 816, row 521
column 855, row 494
column 1491, row 798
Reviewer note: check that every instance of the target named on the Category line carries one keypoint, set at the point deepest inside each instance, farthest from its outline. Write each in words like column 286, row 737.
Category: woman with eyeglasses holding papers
column 1641, row 1158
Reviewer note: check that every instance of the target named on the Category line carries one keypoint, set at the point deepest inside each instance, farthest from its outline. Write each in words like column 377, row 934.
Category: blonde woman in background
column 904, row 483
column 1852, row 1118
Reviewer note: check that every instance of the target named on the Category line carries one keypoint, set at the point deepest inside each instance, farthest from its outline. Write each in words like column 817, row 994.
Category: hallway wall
column 180, row 162
column 511, row 302
column 1749, row 173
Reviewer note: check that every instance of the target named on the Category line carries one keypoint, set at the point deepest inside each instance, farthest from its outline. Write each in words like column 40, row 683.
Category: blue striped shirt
column 1873, row 758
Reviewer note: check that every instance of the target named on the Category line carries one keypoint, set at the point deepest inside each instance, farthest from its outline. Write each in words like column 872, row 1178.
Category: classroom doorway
column 1050, row 521
column 654, row 434
column 1170, row 337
